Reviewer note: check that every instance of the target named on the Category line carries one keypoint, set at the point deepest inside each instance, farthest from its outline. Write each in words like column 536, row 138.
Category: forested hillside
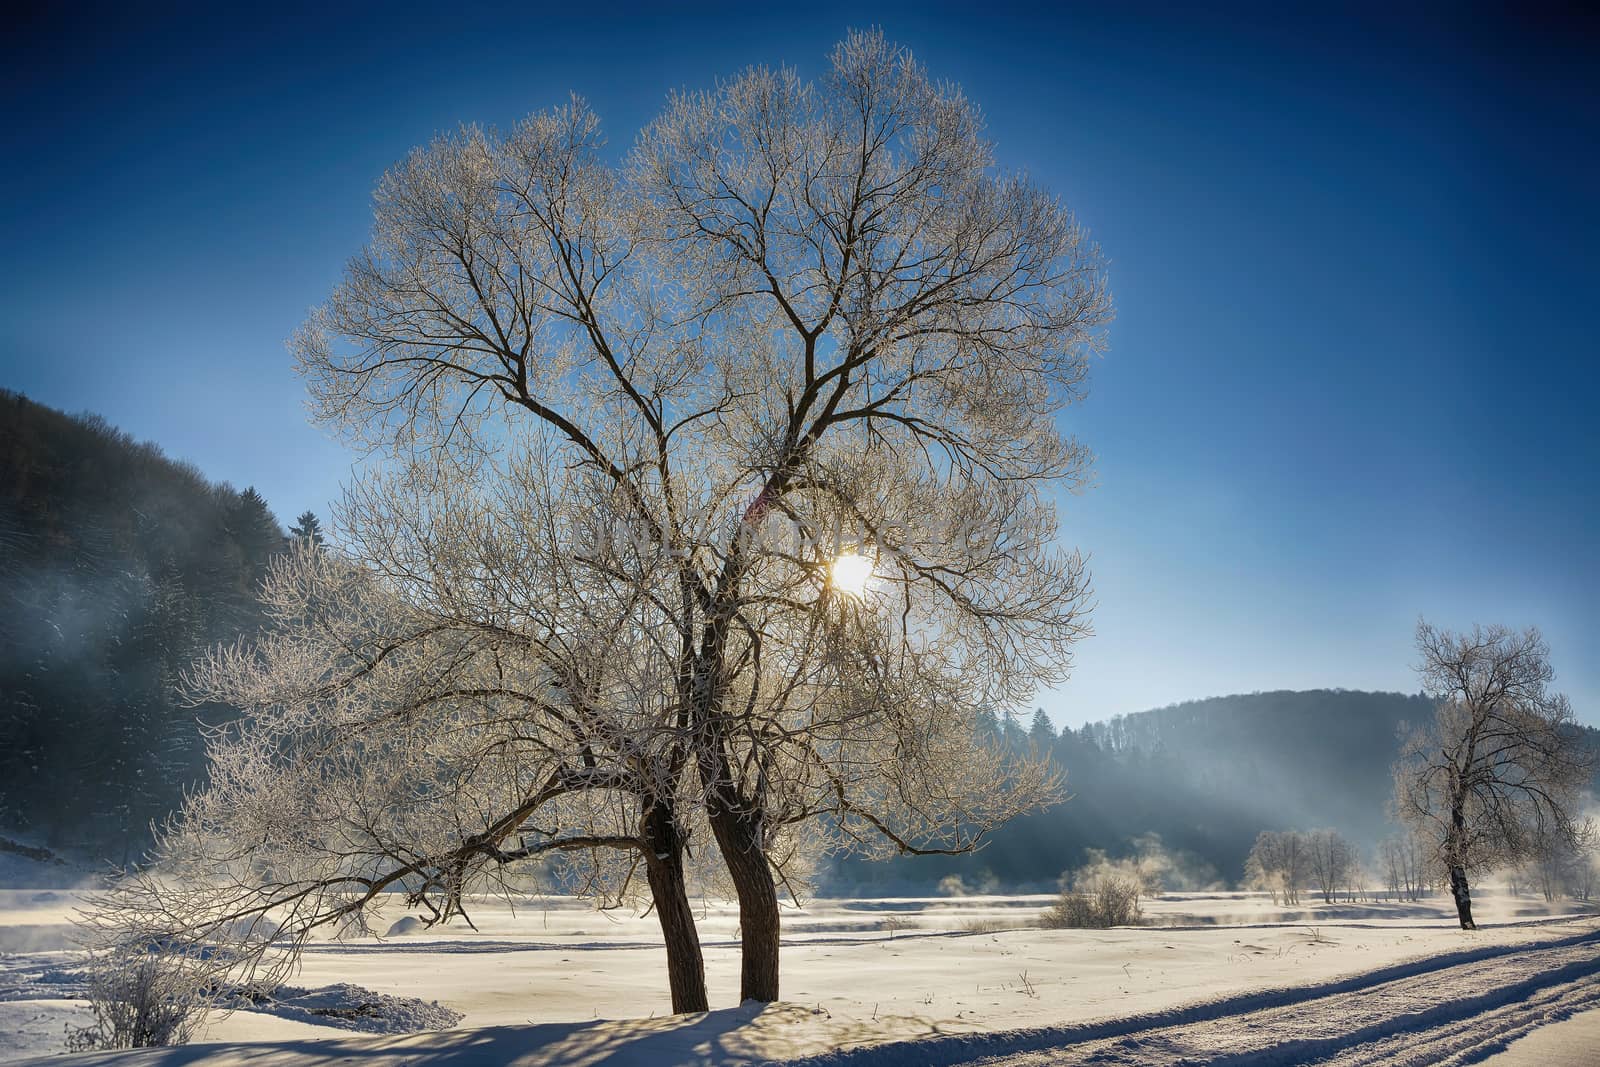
column 117, row 565
column 1205, row 776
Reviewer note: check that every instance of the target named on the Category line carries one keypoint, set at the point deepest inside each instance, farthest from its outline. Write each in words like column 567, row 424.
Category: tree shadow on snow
column 702, row 1040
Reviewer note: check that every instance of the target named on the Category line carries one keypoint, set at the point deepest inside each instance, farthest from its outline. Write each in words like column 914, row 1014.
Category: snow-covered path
column 1453, row 1009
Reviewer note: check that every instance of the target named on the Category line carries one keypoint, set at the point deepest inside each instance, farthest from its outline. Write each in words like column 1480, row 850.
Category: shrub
column 1071, row 911
column 896, row 922
column 1102, row 894
column 141, row 999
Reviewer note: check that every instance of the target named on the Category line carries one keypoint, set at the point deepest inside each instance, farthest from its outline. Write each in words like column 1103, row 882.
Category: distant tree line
column 1285, row 862
column 117, row 566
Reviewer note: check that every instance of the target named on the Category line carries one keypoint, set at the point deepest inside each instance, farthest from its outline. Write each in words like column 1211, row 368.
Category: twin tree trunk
column 737, row 825
column 738, row 834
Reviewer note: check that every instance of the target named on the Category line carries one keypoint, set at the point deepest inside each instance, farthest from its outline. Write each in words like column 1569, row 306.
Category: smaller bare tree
column 1388, row 866
column 1356, row 879
column 1586, row 876
column 1421, row 875
column 1561, row 861
column 1278, row 864
column 1499, row 767
column 1400, row 862
column 1332, row 859
column 144, row 996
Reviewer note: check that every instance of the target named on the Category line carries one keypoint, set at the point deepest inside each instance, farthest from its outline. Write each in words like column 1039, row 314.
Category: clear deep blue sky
column 1354, row 257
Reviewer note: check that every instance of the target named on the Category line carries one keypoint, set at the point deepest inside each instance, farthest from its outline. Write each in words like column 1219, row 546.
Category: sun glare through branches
column 850, row 573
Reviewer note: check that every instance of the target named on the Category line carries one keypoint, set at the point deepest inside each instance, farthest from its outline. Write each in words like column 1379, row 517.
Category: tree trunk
column 1463, row 895
column 739, row 837
column 737, row 824
column 1455, row 852
column 686, row 970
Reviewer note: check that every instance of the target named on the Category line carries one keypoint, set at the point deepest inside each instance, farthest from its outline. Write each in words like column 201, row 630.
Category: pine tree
column 307, row 528
column 1041, row 731
column 1015, row 738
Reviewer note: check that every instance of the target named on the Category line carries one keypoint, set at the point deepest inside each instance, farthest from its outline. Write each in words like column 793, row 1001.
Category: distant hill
column 1205, row 775
column 1319, row 757
column 117, row 565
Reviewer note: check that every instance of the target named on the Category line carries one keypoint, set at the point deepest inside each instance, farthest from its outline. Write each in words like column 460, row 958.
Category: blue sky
column 1354, row 256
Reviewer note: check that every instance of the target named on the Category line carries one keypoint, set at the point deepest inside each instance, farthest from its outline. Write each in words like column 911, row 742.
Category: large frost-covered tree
column 1496, row 775
column 395, row 744
column 719, row 492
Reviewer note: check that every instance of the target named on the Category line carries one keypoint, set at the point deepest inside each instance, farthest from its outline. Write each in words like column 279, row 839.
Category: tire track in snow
column 1453, row 1015
column 1451, row 1008
column 1471, row 1039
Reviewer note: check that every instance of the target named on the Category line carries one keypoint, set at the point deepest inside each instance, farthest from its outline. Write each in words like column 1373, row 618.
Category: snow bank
column 350, row 1007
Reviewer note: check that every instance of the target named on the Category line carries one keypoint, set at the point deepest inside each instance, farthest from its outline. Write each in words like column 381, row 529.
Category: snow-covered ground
column 1218, row 975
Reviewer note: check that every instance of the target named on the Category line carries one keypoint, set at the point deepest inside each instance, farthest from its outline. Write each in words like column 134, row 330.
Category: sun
column 849, row 573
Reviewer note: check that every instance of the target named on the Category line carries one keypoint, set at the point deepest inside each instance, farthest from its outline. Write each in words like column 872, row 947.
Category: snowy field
column 1211, row 976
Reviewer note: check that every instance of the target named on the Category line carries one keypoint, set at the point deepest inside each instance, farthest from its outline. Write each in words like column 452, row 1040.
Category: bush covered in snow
column 1100, row 894
column 140, row 1000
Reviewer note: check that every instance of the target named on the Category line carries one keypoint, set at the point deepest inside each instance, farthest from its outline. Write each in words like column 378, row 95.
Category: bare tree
column 715, row 490
column 1500, row 766
column 1421, row 874
column 1389, row 867
column 1331, row 860
column 1561, row 861
column 1278, row 863
column 1401, row 860
column 1356, row 879
column 142, row 997
column 1586, row 872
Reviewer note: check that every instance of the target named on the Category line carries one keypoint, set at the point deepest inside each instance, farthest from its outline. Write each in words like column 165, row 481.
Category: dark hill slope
column 1315, row 758
column 117, row 565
